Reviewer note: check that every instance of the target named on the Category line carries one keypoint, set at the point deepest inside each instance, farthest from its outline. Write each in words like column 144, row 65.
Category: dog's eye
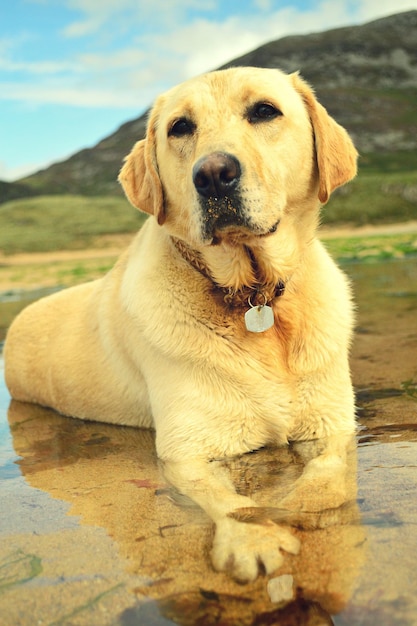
column 263, row 112
column 181, row 127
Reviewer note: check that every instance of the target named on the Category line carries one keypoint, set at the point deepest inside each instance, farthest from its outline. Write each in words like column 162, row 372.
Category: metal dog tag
column 259, row 318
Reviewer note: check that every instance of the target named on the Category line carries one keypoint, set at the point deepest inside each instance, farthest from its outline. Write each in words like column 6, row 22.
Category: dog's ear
column 139, row 175
column 336, row 154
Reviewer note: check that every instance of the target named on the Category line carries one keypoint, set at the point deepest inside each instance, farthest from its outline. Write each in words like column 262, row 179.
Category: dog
column 225, row 326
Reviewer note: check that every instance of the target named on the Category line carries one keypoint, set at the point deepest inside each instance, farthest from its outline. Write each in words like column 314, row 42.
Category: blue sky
column 72, row 71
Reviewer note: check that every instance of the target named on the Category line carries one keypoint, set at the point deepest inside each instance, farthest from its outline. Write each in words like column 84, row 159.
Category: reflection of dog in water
column 112, row 479
column 226, row 325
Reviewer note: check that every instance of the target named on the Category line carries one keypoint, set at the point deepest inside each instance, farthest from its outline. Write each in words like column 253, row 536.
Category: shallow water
column 91, row 534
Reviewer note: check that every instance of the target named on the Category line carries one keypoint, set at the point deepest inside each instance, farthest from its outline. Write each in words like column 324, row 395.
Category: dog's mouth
column 236, row 235
column 242, row 233
column 224, row 220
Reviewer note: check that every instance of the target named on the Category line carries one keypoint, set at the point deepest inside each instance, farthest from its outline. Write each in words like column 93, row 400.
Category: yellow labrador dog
column 225, row 326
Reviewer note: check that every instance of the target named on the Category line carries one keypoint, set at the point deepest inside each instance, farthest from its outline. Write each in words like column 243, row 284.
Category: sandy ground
column 60, row 267
column 105, row 247
column 327, row 232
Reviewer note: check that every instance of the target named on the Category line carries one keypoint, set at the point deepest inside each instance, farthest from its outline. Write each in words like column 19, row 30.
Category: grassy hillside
column 47, row 223
column 388, row 162
column 374, row 198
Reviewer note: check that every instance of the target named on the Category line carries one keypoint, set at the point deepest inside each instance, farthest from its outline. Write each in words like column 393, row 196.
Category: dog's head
column 228, row 154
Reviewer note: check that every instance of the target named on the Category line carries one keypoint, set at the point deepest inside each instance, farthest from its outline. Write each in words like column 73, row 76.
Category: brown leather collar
column 257, row 295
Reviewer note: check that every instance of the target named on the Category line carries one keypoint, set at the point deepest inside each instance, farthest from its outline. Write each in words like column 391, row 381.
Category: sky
column 73, row 71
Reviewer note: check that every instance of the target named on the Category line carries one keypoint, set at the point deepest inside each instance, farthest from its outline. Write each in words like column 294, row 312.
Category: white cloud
column 97, row 13
column 263, row 5
column 367, row 10
column 39, row 67
column 204, row 45
column 125, row 59
column 88, row 97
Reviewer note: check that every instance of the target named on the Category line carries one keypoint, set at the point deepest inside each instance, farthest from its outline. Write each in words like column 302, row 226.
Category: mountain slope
column 366, row 76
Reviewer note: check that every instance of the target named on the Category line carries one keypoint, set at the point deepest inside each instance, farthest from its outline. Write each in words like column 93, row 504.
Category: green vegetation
column 410, row 388
column 47, row 223
column 387, row 162
column 18, row 568
column 372, row 248
column 374, row 198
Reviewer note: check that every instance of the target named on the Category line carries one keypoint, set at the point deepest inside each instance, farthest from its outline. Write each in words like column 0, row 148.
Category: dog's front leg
column 244, row 549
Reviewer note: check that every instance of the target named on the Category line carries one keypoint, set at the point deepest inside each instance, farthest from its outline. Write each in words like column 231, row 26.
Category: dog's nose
column 216, row 175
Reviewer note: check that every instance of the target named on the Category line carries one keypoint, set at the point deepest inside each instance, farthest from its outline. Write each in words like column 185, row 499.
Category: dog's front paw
column 246, row 549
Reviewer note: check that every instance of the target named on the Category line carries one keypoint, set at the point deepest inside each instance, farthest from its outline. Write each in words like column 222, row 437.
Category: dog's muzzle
column 216, row 178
